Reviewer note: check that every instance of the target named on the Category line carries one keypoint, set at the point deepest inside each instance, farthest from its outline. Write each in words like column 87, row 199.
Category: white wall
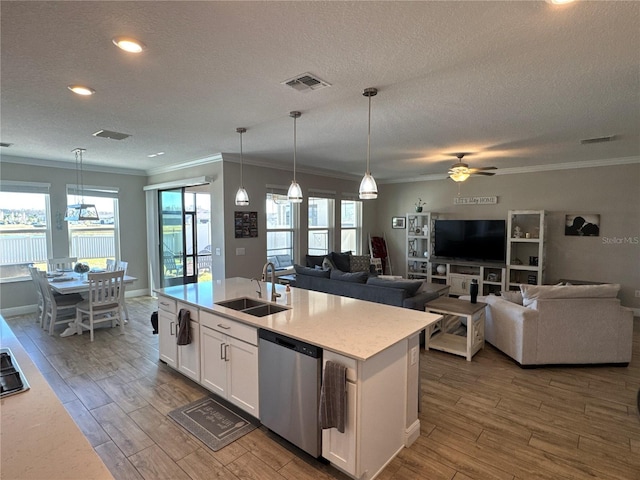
column 132, row 220
column 612, row 191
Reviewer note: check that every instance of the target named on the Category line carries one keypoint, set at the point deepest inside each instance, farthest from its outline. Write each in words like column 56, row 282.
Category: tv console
column 525, row 255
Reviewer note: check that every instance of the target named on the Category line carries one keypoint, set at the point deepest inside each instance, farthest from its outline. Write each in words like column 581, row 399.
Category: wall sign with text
column 475, row 200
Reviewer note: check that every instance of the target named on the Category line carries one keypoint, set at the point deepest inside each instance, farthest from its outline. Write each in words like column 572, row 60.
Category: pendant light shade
column 368, row 187
column 295, row 192
column 80, row 211
column 242, row 197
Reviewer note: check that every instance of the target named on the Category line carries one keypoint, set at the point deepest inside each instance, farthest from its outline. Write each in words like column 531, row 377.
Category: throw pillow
column 341, row 260
column 513, row 297
column 313, row 260
column 411, row 287
column 355, row 277
column 312, row 272
column 359, row 263
column 327, row 264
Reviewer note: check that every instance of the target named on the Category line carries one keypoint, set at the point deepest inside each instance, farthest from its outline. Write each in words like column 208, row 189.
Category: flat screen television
column 473, row 240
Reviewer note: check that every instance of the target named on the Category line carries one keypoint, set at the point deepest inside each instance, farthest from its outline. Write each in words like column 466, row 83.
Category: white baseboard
column 21, row 310
column 144, row 292
column 412, row 433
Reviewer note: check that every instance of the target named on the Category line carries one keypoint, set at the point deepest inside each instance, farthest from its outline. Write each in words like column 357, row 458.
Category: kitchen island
column 379, row 345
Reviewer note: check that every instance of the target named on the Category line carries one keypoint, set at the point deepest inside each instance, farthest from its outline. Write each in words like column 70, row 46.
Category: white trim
column 411, row 433
column 188, row 164
column 16, row 186
column 186, row 182
column 72, row 166
column 530, row 169
column 21, row 310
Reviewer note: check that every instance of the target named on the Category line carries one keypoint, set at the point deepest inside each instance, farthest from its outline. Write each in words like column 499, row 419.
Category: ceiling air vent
column 3, row 144
column 111, row 135
column 305, row 82
column 598, row 140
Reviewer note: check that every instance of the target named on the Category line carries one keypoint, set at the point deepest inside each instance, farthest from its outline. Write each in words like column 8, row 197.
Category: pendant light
column 80, row 211
column 295, row 192
column 368, row 187
column 242, row 197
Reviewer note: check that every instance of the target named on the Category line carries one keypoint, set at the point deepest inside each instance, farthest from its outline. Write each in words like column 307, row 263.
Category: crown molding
column 188, row 164
column 87, row 167
column 531, row 169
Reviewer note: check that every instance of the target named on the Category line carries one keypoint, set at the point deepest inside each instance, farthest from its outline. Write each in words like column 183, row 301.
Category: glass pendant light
column 368, row 187
column 295, row 192
column 242, row 197
column 80, row 211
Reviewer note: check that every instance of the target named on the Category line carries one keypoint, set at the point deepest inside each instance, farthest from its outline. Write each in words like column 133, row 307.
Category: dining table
column 66, row 282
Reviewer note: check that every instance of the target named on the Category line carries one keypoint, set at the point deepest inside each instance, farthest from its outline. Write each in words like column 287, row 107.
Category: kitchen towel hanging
column 333, row 396
column 184, row 327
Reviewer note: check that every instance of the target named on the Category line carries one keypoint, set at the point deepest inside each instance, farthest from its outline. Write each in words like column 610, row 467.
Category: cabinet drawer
column 167, row 304
column 232, row 328
column 350, row 363
column 193, row 311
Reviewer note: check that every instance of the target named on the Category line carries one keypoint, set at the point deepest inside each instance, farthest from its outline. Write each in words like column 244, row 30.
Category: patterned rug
column 214, row 424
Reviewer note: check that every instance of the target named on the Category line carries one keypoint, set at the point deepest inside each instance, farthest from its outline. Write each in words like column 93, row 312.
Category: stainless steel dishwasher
column 289, row 379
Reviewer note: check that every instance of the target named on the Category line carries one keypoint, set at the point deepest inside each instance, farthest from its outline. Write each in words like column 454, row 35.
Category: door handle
column 226, row 327
column 171, row 328
column 226, row 352
column 221, row 352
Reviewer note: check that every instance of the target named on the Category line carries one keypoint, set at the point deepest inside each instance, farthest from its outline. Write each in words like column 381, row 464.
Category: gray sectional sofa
column 364, row 286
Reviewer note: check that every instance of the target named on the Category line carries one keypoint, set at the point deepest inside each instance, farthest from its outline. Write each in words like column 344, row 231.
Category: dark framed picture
column 582, row 225
column 246, row 224
column 398, row 222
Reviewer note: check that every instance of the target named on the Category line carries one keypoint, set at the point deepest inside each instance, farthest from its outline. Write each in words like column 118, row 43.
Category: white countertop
column 355, row 328
column 38, row 438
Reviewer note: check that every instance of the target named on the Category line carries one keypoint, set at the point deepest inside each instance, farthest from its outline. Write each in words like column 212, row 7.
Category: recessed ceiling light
column 81, row 89
column 129, row 44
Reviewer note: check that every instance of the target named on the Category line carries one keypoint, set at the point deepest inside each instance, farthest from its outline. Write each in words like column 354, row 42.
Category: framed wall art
column 246, row 224
column 398, row 222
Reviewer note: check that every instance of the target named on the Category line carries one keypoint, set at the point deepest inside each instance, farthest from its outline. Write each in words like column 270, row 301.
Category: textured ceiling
column 515, row 84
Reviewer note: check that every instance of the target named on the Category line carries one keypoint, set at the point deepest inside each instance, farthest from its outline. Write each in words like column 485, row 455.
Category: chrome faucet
column 274, row 294
column 259, row 291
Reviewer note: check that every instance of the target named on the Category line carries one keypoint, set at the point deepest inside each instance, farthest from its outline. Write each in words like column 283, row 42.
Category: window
column 25, row 228
column 320, row 225
column 351, row 226
column 95, row 241
column 281, row 230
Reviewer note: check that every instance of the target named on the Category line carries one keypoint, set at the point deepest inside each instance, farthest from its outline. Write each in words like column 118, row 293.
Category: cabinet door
column 189, row 355
column 167, row 338
column 213, row 367
column 459, row 284
column 340, row 448
column 243, row 375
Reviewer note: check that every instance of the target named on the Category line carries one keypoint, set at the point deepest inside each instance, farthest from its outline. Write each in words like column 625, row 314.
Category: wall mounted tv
column 474, row 240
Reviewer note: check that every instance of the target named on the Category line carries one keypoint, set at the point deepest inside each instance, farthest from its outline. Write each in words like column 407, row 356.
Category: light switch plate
column 240, row 251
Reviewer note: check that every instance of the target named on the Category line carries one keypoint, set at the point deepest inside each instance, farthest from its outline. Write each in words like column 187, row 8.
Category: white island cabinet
column 229, row 360
column 379, row 345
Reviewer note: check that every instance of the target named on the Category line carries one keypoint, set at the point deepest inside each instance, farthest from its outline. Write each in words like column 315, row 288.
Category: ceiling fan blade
column 488, row 174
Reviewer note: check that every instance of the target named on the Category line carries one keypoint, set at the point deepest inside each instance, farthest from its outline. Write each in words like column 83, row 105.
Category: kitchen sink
column 264, row 310
column 241, row 303
column 252, row 306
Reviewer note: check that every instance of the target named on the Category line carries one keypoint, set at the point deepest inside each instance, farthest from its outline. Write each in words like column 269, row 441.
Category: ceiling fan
column 459, row 172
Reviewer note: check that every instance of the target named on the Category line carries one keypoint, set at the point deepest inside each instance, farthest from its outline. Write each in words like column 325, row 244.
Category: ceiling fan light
column 294, row 195
column 242, row 197
column 459, row 174
column 368, row 187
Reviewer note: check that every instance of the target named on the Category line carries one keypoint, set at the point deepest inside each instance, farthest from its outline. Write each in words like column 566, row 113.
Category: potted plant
column 419, row 205
column 82, row 269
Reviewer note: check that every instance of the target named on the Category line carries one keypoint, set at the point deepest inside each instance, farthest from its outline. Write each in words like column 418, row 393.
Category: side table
column 439, row 336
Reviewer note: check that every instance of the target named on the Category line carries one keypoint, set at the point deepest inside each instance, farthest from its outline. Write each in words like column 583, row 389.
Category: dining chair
column 104, row 302
column 111, row 265
column 56, row 306
column 122, row 266
column 34, row 272
column 65, row 263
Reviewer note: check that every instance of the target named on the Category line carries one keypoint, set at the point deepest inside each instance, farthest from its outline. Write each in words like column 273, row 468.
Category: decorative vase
column 418, row 209
column 441, row 269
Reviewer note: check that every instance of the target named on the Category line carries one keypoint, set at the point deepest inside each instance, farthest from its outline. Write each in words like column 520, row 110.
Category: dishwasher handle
column 284, row 343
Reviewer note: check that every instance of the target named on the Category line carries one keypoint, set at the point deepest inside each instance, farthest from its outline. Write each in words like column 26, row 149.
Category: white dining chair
column 122, row 266
column 58, row 308
column 104, row 302
column 111, row 265
column 65, row 263
column 34, row 272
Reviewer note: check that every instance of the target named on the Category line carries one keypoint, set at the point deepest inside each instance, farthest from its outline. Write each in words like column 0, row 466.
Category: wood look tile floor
column 485, row 419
